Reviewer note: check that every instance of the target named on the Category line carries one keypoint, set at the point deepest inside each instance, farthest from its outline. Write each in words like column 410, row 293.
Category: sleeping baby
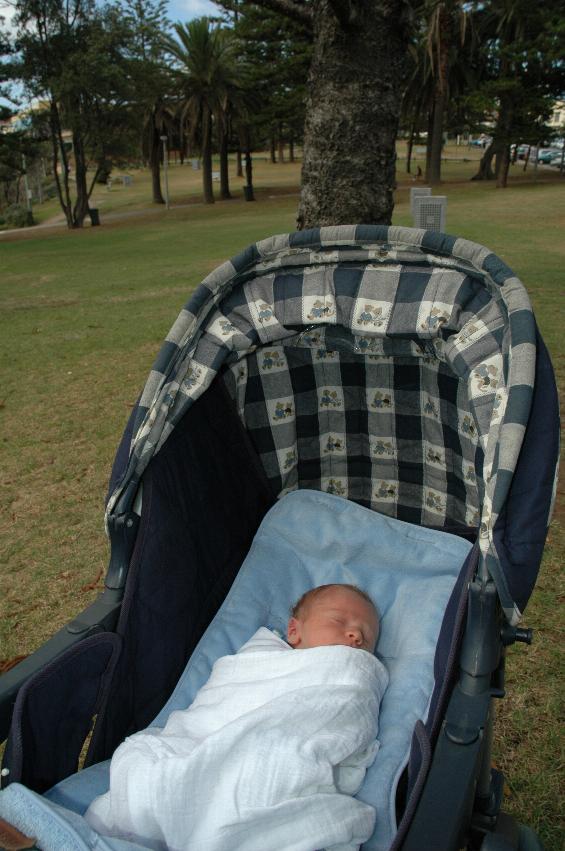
column 331, row 615
column 273, row 748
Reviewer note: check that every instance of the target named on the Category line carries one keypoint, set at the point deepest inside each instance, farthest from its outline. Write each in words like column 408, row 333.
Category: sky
column 178, row 10
column 185, row 10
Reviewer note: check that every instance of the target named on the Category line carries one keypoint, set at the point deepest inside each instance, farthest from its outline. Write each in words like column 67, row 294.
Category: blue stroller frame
column 400, row 369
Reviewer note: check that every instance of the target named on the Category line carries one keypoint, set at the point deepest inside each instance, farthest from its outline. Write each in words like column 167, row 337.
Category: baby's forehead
column 339, row 598
column 328, row 595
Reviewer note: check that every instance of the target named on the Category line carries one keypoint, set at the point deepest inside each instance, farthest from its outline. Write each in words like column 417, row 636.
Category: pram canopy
column 392, row 366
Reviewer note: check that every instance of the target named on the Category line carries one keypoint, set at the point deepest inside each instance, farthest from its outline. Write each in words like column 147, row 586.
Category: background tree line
column 339, row 78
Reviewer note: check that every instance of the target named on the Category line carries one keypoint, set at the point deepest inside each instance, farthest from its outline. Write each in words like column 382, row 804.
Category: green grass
column 82, row 316
column 185, row 187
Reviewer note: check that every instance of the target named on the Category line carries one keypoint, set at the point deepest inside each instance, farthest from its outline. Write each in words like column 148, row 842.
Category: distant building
column 9, row 125
column 557, row 120
column 20, row 120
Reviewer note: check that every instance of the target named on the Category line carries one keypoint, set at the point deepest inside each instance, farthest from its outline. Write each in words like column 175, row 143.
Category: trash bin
column 248, row 192
column 94, row 217
column 127, row 180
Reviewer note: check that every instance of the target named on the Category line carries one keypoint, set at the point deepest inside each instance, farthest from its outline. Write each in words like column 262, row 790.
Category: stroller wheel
column 511, row 836
column 528, row 839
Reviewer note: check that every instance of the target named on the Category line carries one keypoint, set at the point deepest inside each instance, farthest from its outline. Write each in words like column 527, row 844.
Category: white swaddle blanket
column 266, row 758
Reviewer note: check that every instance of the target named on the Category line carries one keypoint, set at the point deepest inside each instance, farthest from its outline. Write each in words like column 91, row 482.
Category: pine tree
column 72, row 57
column 152, row 104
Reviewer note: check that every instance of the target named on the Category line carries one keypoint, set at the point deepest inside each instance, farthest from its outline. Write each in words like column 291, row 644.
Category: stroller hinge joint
column 461, row 735
column 481, row 643
column 465, row 717
column 122, row 530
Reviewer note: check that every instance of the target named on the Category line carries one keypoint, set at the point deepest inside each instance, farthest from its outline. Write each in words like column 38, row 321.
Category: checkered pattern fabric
column 391, row 366
column 372, row 428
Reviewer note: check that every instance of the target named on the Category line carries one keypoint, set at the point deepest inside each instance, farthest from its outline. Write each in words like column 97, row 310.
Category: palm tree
column 418, row 95
column 446, row 18
column 506, row 29
column 207, row 69
column 150, row 79
column 440, row 71
column 236, row 118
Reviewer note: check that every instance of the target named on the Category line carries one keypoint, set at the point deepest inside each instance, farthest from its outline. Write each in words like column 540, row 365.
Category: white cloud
column 7, row 11
column 179, row 10
column 185, row 10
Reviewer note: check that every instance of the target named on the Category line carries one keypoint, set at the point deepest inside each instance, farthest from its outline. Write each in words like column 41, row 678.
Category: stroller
column 345, row 399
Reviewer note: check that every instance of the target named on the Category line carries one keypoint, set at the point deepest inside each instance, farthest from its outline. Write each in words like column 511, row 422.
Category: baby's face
column 335, row 616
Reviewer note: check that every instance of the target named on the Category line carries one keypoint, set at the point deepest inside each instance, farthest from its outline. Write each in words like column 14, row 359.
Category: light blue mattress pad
column 308, row 538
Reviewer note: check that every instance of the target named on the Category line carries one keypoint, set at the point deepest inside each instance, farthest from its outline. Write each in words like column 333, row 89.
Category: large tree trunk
column 444, row 37
column 58, row 148
column 435, row 143
column 224, row 166
column 410, row 144
column 430, row 131
column 281, row 142
column 485, row 171
column 249, row 196
column 239, row 165
column 503, row 133
column 503, row 167
column 352, row 111
column 80, row 209
column 245, row 143
column 155, row 166
column 207, row 187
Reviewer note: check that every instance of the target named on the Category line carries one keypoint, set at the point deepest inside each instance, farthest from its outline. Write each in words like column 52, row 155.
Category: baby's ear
column 293, row 632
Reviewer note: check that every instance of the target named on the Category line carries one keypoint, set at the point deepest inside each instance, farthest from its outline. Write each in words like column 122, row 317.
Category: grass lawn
column 82, row 316
column 185, row 187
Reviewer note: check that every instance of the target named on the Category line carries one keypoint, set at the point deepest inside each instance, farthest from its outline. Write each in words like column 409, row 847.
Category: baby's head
column 334, row 614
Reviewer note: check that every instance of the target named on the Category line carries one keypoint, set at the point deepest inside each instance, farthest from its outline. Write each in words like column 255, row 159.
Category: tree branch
column 343, row 12
column 56, row 143
column 290, row 8
column 94, row 179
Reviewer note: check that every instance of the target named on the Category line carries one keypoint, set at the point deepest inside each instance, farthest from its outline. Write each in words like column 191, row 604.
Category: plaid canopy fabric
column 391, row 366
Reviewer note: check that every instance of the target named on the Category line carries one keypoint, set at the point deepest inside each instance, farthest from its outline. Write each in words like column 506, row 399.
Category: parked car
column 481, row 142
column 545, row 155
column 522, row 152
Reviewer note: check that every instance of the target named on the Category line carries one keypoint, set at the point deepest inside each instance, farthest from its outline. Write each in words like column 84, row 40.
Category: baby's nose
column 355, row 638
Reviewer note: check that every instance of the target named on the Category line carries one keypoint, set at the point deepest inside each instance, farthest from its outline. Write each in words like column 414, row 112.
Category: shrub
column 105, row 171
column 16, row 216
column 49, row 191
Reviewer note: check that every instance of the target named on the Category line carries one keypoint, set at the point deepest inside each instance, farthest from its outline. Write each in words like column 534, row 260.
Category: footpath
column 59, row 221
